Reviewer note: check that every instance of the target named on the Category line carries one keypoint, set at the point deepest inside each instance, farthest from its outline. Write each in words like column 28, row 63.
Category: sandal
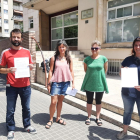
column 63, row 122
column 49, row 126
column 87, row 122
column 98, row 121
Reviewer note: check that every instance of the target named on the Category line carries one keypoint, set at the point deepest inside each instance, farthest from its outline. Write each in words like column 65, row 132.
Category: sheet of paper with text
column 71, row 92
column 129, row 77
column 22, row 65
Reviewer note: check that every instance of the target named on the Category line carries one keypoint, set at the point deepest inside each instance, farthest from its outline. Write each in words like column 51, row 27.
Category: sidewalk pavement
column 75, row 119
column 114, row 86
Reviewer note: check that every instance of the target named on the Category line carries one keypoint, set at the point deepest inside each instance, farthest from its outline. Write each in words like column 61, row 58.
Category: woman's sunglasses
column 96, row 48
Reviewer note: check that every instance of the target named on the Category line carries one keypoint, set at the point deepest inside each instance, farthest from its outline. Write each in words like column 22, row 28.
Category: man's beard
column 16, row 43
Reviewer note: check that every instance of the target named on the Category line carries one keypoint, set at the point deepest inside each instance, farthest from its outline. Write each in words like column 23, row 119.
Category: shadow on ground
column 41, row 118
column 95, row 130
column 77, row 117
column 3, row 129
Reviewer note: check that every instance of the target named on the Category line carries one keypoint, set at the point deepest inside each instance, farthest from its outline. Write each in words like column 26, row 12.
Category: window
column 5, row 1
column 5, row 11
column 6, row 31
column 123, row 20
column 65, row 26
column 5, row 20
column 31, row 24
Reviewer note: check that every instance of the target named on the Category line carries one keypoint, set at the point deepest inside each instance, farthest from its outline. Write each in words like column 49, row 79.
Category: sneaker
column 121, row 135
column 10, row 135
column 31, row 130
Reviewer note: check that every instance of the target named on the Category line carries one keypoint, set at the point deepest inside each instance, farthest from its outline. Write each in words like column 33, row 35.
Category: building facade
column 115, row 23
column 11, row 16
column 31, row 21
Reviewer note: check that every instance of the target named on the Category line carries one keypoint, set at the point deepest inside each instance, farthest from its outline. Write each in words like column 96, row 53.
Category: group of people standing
column 60, row 77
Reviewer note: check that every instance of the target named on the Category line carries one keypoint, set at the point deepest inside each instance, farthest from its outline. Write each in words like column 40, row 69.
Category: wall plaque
column 87, row 13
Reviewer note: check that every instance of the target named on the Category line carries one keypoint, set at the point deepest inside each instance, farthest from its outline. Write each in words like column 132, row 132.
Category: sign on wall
column 87, row 13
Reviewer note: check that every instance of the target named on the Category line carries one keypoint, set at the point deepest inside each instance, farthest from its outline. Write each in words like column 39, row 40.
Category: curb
column 43, row 89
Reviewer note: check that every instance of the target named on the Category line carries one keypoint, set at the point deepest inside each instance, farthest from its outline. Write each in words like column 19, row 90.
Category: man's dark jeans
column 12, row 94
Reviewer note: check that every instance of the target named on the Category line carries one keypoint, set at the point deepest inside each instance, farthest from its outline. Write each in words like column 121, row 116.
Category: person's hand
column 49, row 88
column 137, row 87
column 73, row 86
column 31, row 66
column 12, row 69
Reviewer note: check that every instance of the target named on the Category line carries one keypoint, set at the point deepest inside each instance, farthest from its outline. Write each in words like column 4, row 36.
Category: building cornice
column 32, row 2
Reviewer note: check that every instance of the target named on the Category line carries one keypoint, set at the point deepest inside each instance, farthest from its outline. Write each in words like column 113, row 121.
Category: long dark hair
column 57, row 53
column 133, row 53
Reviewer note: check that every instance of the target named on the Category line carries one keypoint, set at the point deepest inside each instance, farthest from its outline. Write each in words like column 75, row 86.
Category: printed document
column 71, row 91
column 22, row 66
column 129, row 77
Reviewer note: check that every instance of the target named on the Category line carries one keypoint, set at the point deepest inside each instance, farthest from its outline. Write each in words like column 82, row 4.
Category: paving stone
column 74, row 117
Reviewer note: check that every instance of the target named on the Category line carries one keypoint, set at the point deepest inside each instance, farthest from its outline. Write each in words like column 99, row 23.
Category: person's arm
column 137, row 87
column 50, row 73
column 106, row 67
column 30, row 62
column 4, row 70
column 120, row 71
column 31, row 66
column 85, row 67
column 72, row 73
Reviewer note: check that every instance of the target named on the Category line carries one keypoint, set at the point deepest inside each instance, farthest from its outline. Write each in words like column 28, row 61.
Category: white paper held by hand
column 129, row 77
column 22, row 65
column 71, row 92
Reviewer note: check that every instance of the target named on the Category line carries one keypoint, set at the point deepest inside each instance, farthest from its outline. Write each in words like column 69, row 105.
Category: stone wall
column 26, row 43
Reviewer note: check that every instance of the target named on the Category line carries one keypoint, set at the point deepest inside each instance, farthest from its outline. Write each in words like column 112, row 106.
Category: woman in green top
column 95, row 67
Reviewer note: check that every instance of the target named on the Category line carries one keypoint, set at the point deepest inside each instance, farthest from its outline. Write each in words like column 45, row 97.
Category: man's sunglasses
column 96, row 48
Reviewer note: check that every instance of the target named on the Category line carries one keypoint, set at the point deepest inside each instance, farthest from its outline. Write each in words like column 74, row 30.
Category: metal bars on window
column 114, row 66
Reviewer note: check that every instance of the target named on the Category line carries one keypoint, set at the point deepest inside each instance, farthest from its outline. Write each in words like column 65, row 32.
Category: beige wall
column 27, row 13
column 115, row 53
column 96, row 29
column 86, row 32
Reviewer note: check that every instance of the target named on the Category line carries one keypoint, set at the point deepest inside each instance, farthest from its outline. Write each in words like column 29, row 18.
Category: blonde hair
column 96, row 42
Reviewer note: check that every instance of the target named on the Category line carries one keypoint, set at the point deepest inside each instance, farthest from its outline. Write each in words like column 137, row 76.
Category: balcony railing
column 19, row 8
column 17, row 26
column 0, row 34
column 18, row 18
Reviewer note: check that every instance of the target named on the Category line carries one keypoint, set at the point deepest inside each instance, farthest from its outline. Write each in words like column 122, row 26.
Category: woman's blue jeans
column 12, row 94
column 128, row 108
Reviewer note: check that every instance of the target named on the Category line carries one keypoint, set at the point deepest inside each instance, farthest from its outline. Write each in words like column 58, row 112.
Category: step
column 106, row 115
column 113, row 108
column 50, row 55
column 74, row 57
column 76, row 62
column 77, row 56
column 79, row 76
column 78, row 69
column 53, row 52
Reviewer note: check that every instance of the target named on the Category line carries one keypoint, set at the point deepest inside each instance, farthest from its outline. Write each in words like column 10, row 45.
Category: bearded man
column 16, row 86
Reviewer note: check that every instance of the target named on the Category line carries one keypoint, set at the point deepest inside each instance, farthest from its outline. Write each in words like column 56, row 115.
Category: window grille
column 114, row 66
